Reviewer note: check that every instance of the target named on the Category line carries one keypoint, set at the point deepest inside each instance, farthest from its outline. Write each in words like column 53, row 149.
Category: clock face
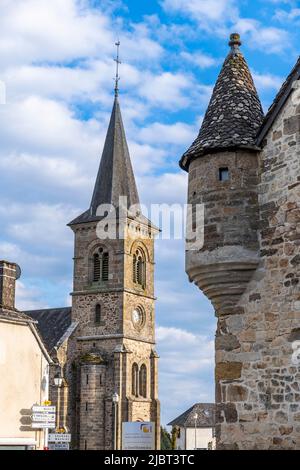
column 137, row 318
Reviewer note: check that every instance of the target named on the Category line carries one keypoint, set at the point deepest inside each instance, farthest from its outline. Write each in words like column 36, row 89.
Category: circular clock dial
column 137, row 317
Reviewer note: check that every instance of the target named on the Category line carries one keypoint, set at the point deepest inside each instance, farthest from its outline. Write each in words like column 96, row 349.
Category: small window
column 223, row 174
column 98, row 314
column 100, row 265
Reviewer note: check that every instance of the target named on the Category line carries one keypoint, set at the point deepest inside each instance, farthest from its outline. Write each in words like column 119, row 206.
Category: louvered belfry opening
column 105, row 267
column 139, row 268
column 100, row 265
column 134, row 273
column 96, row 276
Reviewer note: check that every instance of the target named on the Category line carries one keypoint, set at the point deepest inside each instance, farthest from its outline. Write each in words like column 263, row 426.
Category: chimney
column 9, row 272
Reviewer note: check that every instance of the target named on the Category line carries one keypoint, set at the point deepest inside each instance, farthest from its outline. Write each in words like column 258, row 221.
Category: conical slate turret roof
column 234, row 113
column 115, row 176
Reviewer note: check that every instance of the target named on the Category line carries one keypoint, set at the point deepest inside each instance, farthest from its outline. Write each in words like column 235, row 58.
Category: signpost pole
column 46, row 439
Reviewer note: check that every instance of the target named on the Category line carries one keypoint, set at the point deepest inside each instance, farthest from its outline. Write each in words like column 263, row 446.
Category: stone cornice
column 113, row 336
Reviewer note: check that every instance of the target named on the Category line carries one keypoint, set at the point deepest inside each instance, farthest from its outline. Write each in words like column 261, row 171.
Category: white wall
column 23, row 383
column 186, row 441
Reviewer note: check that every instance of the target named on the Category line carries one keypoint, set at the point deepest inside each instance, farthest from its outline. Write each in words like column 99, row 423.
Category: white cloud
column 265, row 38
column 167, row 90
column 177, row 133
column 203, row 10
column 31, row 264
column 199, row 59
column 267, row 81
column 44, row 223
column 41, row 30
column 283, row 16
column 187, row 360
column 222, row 17
column 164, row 188
column 28, row 298
column 39, row 123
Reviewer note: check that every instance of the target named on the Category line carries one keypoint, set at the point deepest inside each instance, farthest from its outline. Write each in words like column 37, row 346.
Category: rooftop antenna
column 117, row 77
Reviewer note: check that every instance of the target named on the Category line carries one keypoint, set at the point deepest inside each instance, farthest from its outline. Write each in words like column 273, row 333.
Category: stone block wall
column 257, row 369
column 223, row 266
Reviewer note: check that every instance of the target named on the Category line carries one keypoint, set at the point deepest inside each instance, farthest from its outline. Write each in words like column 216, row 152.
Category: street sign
column 35, row 425
column 43, row 409
column 59, row 446
column 138, row 436
column 59, row 437
column 40, row 417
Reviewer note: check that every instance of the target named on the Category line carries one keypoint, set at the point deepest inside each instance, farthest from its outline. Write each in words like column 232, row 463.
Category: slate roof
column 206, row 416
column 52, row 324
column 115, row 176
column 234, row 113
column 279, row 102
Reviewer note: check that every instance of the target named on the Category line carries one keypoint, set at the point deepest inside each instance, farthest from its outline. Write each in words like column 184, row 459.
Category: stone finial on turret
column 235, row 40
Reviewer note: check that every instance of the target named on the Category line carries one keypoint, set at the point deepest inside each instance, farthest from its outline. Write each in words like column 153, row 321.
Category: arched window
column 134, row 269
column 143, row 381
column 105, row 267
column 135, row 380
column 98, row 314
column 100, row 265
column 96, row 276
column 139, row 268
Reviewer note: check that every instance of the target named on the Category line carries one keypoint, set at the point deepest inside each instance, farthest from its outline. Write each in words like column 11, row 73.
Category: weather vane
column 117, row 78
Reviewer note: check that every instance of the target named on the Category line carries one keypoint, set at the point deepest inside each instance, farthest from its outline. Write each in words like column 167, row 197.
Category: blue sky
column 56, row 63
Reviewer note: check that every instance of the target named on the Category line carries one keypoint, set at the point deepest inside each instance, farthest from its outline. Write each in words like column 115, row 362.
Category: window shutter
column 96, row 276
column 105, row 267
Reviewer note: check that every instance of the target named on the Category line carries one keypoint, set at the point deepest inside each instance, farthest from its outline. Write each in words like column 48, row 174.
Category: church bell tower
column 113, row 372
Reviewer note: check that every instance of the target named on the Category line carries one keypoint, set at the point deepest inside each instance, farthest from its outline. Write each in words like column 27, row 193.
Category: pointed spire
column 115, row 176
column 234, row 113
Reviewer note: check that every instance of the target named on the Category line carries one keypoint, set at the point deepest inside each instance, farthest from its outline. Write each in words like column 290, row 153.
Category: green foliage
column 165, row 439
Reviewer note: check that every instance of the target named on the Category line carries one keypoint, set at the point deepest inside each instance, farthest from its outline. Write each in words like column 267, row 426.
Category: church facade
column 244, row 168
column 104, row 345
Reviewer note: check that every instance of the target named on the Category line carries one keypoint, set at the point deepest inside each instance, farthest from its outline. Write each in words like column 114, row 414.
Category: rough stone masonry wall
column 258, row 385
column 7, row 284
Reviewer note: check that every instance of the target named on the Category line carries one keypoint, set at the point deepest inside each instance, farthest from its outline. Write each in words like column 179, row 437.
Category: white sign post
column 46, row 425
column 43, row 409
column 59, row 446
column 59, row 437
column 43, row 417
column 138, row 436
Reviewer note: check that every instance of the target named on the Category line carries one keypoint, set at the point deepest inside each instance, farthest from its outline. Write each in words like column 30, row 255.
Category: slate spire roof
column 115, row 176
column 234, row 113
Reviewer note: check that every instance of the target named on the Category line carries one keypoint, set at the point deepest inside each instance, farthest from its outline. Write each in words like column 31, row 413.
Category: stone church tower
column 245, row 169
column 103, row 347
column 112, row 351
